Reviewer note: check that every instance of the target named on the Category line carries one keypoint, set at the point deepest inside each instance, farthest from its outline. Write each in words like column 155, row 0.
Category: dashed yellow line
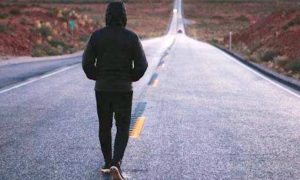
column 155, row 83
column 136, row 131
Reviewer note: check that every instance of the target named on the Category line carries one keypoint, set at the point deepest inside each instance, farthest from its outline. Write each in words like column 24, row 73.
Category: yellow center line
column 155, row 83
column 136, row 131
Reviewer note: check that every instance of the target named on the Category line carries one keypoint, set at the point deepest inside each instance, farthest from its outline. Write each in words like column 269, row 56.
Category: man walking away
column 114, row 58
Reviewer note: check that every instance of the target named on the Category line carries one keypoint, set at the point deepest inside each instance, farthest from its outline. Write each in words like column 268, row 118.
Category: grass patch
column 241, row 48
column 84, row 38
column 293, row 65
column 61, row 45
column 281, row 61
column 52, row 12
column 3, row 28
column 24, row 21
column 218, row 17
column 45, row 31
column 242, row 18
column 83, row 9
column 269, row 55
column 15, row 11
column 213, row 41
column 3, row 15
column 254, row 46
column 57, row 42
column 293, row 22
column 44, row 50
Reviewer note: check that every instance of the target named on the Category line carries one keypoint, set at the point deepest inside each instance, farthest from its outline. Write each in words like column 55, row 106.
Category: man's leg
column 122, row 108
column 105, row 115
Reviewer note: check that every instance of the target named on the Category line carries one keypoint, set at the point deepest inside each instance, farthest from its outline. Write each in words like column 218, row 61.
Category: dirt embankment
column 39, row 30
column 264, row 32
column 44, row 29
column 273, row 41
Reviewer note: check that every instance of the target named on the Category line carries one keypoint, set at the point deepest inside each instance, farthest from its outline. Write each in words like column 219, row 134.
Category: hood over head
column 116, row 14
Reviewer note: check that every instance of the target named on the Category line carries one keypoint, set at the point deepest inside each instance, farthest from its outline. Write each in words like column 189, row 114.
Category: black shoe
column 116, row 173
column 106, row 168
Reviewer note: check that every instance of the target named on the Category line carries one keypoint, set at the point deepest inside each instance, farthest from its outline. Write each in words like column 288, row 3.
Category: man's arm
column 140, row 63
column 88, row 61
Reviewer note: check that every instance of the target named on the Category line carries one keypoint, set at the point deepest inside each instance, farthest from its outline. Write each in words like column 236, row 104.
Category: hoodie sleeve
column 88, row 61
column 140, row 63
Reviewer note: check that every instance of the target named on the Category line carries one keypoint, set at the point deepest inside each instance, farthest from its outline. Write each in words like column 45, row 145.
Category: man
column 114, row 58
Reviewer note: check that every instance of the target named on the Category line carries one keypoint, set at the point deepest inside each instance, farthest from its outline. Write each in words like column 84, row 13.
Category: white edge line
column 37, row 78
column 262, row 76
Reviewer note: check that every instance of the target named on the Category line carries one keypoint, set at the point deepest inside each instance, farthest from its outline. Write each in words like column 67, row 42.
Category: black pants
column 119, row 104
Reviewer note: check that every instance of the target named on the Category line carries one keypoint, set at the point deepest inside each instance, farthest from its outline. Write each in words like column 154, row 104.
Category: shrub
column 254, row 46
column 241, row 48
column 269, row 55
column 213, row 41
column 293, row 22
column 84, row 9
column 11, row 28
column 242, row 18
column 61, row 45
column 281, row 60
column 84, row 38
column 45, row 31
column 293, row 65
column 52, row 12
column 24, row 21
column 65, row 14
column 3, row 15
column 15, row 11
column 3, row 28
column 44, row 50
column 218, row 17
column 254, row 57
column 57, row 42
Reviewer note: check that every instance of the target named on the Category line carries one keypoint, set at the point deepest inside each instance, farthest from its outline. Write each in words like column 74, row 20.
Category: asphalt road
column 207, row 117
column 211, row 118
column 11, row 74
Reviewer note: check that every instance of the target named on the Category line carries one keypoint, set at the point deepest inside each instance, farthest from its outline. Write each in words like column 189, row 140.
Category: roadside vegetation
column 42, row 28
column 266, row 32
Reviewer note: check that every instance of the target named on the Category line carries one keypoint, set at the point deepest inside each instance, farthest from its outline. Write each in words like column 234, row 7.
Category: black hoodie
column 114, row 56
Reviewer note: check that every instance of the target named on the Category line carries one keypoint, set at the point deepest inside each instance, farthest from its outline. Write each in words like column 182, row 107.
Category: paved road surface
column 10, row 74
column 207, row 117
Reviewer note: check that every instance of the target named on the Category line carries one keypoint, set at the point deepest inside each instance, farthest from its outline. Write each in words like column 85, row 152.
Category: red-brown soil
column 279, row 31
column 43, row 29
column 267, row 33
column 20, row 35
column 273, row 41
